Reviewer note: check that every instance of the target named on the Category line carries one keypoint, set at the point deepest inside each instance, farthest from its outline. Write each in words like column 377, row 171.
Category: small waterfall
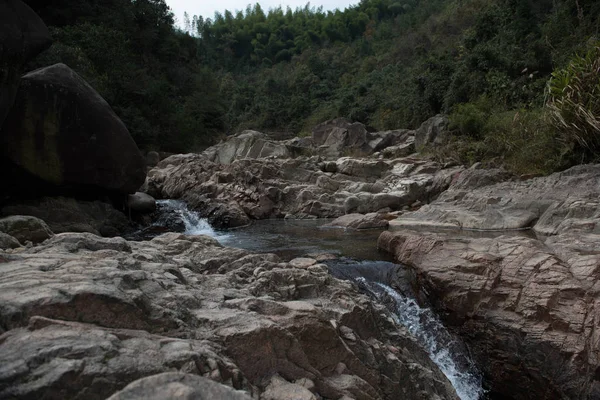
column 444, row 349
column 194, row 225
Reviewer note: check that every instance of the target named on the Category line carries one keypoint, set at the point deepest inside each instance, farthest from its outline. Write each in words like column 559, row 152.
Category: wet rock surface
column 84, row 316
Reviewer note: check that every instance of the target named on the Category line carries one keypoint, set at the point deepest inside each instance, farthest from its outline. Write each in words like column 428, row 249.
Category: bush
column 470, row 119
column 526, row 141
column 574, row 100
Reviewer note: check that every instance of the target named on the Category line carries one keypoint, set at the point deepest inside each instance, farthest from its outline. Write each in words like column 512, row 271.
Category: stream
column 357, row 259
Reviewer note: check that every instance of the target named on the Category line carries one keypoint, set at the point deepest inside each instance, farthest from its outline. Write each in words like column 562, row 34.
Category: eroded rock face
column 297, row 188
column 23, row 36
column 62, row 131
column 248, row 144
column 484, row 200
column 527, row 308
column 85, row 316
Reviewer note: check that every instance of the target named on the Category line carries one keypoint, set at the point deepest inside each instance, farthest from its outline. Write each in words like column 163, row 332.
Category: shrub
column 526, row 141
column 574, row 100
column 470, row 119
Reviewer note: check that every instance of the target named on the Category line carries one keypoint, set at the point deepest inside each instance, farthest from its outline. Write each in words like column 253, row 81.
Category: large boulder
column 434, row 131
column 25, row 228
column 23, row 36
column 62, row 131
column 339, row 136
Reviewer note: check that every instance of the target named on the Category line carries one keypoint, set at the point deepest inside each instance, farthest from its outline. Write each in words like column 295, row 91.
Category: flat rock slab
column 482, row 199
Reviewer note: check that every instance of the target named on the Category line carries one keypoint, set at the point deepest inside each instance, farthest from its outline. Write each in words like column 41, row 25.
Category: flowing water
column 444, row 349
column 358, row 260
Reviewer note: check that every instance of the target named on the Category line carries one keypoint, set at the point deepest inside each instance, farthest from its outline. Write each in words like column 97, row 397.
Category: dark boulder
column 25, row 228
column 141, row 203
column 8, row 242
column 22, row 36
column 62, row 131
column 63, row 214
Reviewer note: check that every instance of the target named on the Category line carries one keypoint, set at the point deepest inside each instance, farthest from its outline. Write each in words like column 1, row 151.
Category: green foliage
column 574, row 98
column 385, row 63
column 148, row 71
column 471, row 119
column 524, row 141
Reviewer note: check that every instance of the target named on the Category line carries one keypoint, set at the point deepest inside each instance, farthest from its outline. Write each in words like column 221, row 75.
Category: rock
column 25, row 228
column 8, row 242
column 403, row 150
column 141, row 203
column 361, row 221
column 23, row 36
column 302, row 262
column 109, row 312
column 379, row 141
column 280, row 389
column 340, row 135
column 177, row 386
column 434, row 131
column 478, row 199
column 79, row 141
column 527, row 308
column 248, row 144
column 297, row 188
column 361, row 168
column 63, row 214
column 152, row 158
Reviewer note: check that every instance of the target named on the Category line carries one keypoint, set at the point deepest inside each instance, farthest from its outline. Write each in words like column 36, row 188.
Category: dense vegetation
column 386, row 63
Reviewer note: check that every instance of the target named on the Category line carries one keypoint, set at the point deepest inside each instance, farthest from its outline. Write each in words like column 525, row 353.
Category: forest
column 386, row 63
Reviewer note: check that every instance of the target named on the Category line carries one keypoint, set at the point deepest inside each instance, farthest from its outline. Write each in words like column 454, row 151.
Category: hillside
column 387, row 64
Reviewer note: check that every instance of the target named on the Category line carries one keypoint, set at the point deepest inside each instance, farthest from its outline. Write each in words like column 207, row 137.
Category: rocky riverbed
column 495, row 273
column 83, row 315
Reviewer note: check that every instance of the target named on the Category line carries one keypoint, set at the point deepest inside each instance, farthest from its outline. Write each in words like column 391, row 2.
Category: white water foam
column 443, row 348
column 194, row 225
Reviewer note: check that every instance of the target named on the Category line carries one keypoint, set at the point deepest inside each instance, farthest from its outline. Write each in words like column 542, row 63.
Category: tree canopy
column 386, row 63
